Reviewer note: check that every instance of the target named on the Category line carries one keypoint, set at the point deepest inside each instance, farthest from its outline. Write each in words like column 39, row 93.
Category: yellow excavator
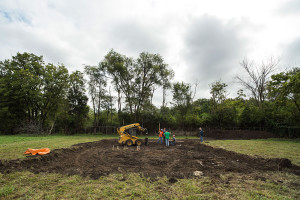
column 128, row 134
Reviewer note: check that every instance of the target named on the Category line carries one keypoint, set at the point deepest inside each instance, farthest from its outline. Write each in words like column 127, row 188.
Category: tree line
column 36, row 97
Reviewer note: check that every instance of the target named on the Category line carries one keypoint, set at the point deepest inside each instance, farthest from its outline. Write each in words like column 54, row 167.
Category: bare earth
column 104, row 157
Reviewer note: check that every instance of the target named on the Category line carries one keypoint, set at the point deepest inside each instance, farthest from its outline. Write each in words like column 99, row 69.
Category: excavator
column 128, row 134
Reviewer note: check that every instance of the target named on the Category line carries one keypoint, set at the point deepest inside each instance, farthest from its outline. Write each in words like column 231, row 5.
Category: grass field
column 267, row 148
column 26, row 185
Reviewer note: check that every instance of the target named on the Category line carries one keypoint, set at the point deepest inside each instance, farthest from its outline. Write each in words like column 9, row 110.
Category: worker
column 167, row 135
column 164, row 135
column 201, row 134
column 173, row 143
column 160, row 136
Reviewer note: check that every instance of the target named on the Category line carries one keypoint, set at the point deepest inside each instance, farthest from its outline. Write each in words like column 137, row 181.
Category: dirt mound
column 100, row 158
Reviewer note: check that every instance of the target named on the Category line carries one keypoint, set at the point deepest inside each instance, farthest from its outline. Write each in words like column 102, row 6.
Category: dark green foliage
column 33, row 94
column 43, row 98
column 137, row 78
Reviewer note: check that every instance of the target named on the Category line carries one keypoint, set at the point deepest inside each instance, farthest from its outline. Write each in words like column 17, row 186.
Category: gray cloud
column 212, row 50
column 210, row 47
column 133, row 38
column 290, row 7
column 291, row 56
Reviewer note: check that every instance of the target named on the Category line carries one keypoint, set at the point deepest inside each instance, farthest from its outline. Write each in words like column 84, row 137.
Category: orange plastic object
column 37, row 151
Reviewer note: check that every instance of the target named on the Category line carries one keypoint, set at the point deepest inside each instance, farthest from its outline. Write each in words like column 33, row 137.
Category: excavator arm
column 122, row 129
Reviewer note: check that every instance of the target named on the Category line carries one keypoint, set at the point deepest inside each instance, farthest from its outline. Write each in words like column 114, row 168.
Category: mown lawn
column 26, row 185
column 13, row 147
column 268, row 148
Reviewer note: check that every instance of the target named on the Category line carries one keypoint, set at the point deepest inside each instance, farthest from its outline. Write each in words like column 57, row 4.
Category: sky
column 202, row 41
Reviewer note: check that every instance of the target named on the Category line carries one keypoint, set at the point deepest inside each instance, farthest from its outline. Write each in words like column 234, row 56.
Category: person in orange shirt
column 160, row 136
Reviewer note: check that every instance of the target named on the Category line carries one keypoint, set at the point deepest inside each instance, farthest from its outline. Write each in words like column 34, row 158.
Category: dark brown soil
column 97, row 159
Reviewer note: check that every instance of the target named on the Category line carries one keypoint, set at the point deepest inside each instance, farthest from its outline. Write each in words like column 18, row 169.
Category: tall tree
column 167, row 76
column 218, row 96
column 77, row 100
column 97, row 88
column 21, row 85
column 218, row 92
column 136, row 79
column 182, row 96
column 258, row 76
column 55, row 86
column 30, row 90
column 285, row 86
column 150, row 71
column 121, row 70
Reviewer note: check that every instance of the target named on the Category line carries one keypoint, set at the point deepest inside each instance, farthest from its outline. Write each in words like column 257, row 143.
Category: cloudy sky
column 202, row 41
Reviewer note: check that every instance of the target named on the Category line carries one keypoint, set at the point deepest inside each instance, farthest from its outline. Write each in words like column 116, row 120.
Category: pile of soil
column 187, row 159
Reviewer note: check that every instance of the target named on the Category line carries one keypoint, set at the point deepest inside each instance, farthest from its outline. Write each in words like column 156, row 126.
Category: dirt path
column 97, row 159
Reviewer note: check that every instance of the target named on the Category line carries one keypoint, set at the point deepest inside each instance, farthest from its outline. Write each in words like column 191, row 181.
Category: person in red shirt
column 160, row 136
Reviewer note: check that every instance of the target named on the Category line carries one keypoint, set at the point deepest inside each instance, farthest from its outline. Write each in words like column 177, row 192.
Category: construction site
column 187, row 159
column 130, row 154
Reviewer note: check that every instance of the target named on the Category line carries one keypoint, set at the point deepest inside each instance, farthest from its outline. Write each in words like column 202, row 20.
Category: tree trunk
column 50, row 131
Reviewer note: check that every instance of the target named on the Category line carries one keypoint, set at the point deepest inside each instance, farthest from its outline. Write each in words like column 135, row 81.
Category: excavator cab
column 133, row 132
column 128, row 134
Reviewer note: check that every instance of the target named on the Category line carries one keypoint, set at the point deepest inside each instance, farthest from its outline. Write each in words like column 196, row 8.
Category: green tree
column 121, row 70
column 136, row 78
column 97, row 88
column 182, row 96
column 218, row 96
column 284, row 95
column 77, row 101
column 150, row 71
column 30, row 92
column 55, row 86
column 21, row 86
column 285, row 87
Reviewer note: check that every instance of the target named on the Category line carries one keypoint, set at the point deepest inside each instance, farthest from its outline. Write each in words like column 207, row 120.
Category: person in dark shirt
column 201, row 134
column 173, row 142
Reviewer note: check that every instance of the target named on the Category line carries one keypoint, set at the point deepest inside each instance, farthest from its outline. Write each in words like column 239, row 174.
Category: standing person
column 167, row 135
column 160, row 136
column 201, row 134
column 164, row 135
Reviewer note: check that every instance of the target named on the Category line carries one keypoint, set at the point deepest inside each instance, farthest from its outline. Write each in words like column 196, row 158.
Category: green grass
column 25, row 185
column 13, row 147
column 268, row 148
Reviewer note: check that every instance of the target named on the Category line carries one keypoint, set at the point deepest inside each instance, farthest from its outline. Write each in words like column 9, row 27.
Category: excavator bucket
column 37, row 151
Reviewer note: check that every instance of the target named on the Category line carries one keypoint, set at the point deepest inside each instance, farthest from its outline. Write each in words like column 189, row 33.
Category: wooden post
column 159, row 126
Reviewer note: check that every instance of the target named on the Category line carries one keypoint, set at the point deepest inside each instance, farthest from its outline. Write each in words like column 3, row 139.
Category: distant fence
column 99, row 129
column 284, row 131
column 290, row 132
column 241, row 132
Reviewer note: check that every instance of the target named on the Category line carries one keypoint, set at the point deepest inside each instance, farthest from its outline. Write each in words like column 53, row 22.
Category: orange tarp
column 37, row 151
